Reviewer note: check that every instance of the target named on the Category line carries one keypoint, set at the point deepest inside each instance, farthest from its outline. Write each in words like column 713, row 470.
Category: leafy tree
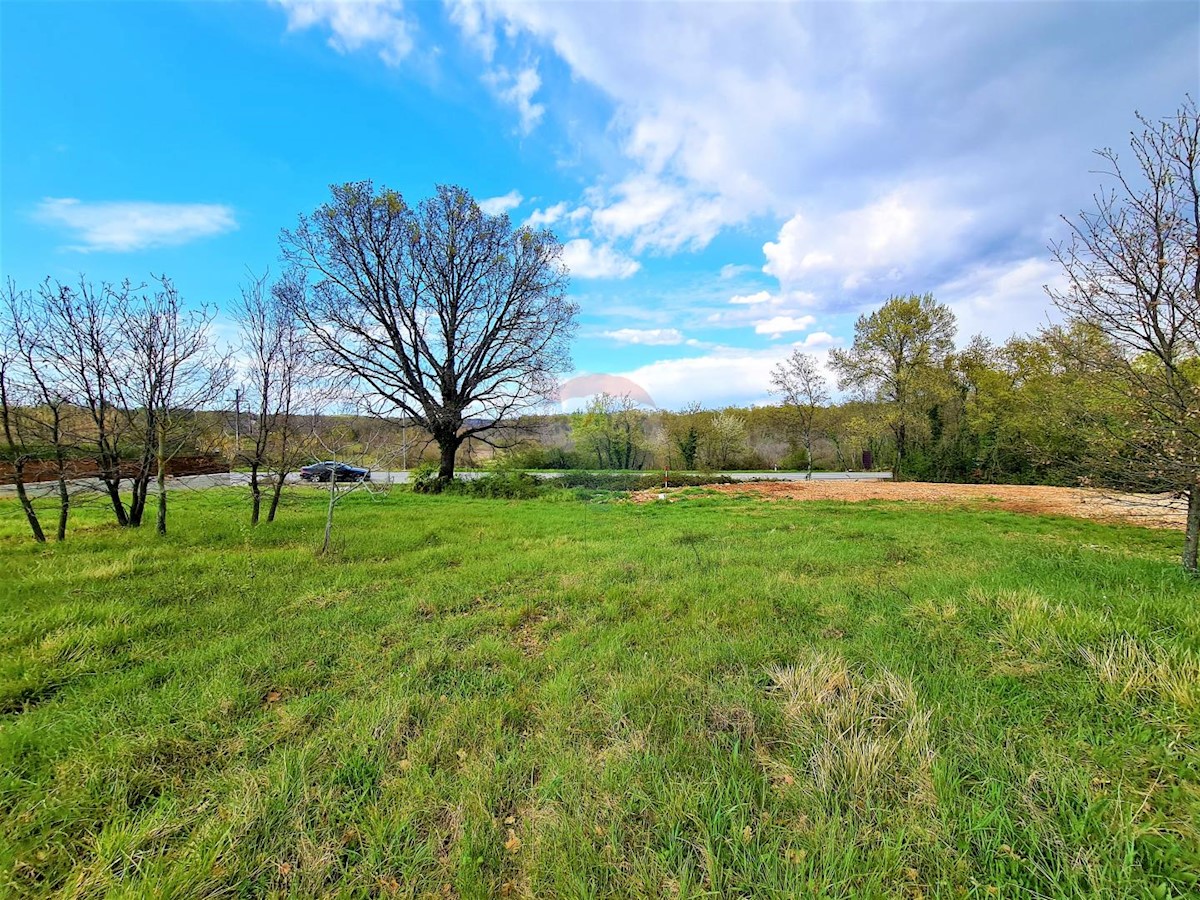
column 444, row 313
column 801, row 386
column 726, row 439
column 1133, row 274
column 898, row 358
column 612, row 430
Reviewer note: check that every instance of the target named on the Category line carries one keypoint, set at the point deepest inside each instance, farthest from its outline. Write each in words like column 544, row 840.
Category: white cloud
column 132, row 225
column 764, row 307
column 904, row 231
column 493, row 206
column 777, row 326
column 839, row 111
column 517, row 89
column 725, row 376
column 587, row 260
column 652, row 337
column 1002, row 299
column 472, row 21
column 657, row 214
column 753, row 299
column 541, row 218
column 355, row 25
column 819, row 340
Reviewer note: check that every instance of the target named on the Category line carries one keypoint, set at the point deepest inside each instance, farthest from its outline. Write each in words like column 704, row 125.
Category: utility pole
column 237, row 421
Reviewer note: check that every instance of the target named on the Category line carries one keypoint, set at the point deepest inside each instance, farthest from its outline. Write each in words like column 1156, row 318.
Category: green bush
column 500, row 486
column 424, row 479
column 629, row 481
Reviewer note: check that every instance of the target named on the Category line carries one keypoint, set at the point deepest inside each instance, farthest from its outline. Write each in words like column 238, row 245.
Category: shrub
column 629, row 481
column 424, row 479
column 501, row 486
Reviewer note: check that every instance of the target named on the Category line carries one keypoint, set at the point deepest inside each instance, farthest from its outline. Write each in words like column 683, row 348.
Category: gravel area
column 1151, row 510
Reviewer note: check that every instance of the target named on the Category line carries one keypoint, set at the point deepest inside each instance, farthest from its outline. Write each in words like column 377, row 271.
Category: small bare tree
column 279, row 377
column 14, row 396
column 84, row 343
column 50, row 410
column 337, row 446
column 175, row 372
column 802, row 388
column 1133, row 274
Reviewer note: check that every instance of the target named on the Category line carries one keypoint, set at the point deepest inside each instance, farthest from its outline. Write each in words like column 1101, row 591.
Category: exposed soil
column 1151, row 510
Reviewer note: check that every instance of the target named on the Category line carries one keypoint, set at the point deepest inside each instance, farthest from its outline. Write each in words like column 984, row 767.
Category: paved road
column 240, row 479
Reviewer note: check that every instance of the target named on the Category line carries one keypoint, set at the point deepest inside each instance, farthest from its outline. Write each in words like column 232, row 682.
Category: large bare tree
column 1133, row 273
column 443, row 313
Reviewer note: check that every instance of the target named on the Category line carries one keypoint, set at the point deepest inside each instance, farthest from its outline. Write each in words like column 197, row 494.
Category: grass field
column 555, row 698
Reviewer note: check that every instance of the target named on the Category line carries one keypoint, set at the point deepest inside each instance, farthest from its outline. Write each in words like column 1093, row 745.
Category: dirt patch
column 1150, row 510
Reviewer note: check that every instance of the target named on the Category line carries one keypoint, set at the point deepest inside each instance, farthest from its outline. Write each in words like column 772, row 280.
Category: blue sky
column 729, row 180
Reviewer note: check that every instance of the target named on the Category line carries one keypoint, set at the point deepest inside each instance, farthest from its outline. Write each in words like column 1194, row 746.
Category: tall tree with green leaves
column 898, row 358
column 612, row 431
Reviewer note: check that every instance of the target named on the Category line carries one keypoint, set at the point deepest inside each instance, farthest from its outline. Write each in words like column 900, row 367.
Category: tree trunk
column 275, row 492
column 112, row 486
column 137, row 502
column 1191, row 541
column 329, row 513
column 255, row 494
column 448, row 448
column 26, row 504
column 64, row 503
column 808, row 456
column 162, row 483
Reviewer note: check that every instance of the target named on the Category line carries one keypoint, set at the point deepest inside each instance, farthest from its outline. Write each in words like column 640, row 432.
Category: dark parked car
column 341, row 471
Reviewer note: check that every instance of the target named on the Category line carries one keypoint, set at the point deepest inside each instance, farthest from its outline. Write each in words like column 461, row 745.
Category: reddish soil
column 1151, row 510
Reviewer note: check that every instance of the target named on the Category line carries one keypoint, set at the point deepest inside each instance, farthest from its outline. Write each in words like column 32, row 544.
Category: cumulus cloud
column 753, row 299
column 493, row 206
column 652, row 337
column 777, row 326
column 587, row 260
column 902, row 232
column 726, row 375
column 656, row 214
column 355, row 25
column 123, row 226
column 999, row 299
column 819, row 340
column 833, row 120
column 542, row 218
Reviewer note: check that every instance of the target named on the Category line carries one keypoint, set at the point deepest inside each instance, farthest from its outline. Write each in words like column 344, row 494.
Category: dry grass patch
column 865, row 739
column 1130, row 668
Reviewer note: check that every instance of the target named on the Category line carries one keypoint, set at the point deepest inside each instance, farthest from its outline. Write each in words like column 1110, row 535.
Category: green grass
column 552, row 698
